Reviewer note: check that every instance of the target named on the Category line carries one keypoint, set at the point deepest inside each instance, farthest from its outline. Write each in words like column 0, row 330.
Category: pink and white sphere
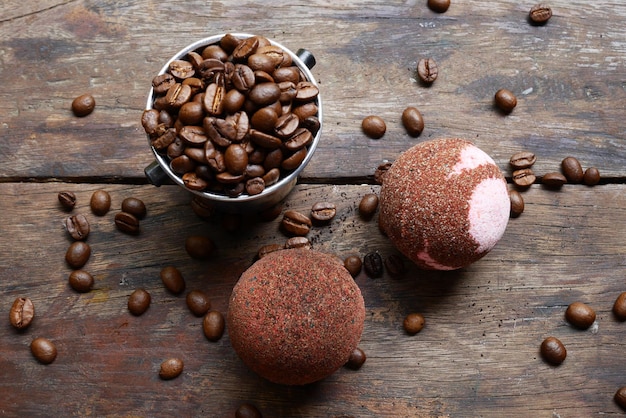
column 444, row 204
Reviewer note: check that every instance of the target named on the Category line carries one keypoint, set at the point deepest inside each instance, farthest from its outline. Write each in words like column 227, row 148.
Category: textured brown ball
column 295, row 316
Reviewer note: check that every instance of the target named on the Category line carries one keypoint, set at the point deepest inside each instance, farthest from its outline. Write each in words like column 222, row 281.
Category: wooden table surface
column 479, row 352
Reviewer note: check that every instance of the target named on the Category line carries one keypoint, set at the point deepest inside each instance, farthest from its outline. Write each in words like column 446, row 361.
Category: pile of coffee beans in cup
column 233, row 117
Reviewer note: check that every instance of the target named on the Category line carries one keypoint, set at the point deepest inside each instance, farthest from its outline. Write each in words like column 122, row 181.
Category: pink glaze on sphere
column 444, row 204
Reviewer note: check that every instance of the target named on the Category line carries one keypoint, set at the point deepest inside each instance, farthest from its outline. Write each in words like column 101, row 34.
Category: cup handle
column 306, row 57
column 155, row 173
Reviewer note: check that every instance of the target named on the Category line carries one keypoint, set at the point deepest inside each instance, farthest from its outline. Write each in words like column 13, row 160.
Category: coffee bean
column 139, row 302
column 517, row 203
column 199, row 247
column 357, row 359
column 439, row 6
column 580, row 315
column 353, row 264
column 171, row 368
column 255, row 186
column 298, row 242
column 505, row 100
column 78, row 254
column 374, row 126
column 619, row 307
column 81, row 281
column 553, row 180
column 135, row 207
column 247, row 410
column 323, row 211
column 77, row 226
column 268, row 249
column 213, row 325
column 540, row 14
column 198, row 302
column 553, row 351
column 522, row 159
column 83, row 105
column 43, row 350
column 67, row 200
column 572, row 170
column 412, row 121
column 127, row 223
column 427, row 70
column 413, row 323
column 172, row 279
column 295, row 223
column 591, row 176
column 395, row 265
column 22, row 313
column 373, row 264
column 523, row 177
column 100, row 202
column 620, row 397
column 368, row 205
column 380, row 172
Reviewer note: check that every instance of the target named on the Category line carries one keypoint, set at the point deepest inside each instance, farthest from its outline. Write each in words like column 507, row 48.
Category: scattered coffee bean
column 43, row 350
column 100, row 202
column 83, row 105
column 171, row 368
column 22, row 313
column 591, row 176
column 427, row 70
column 247, row 410
column 213, row 325
column 298, row 242
column 199, row 247
column 553, row 180
column 368, row 205
column 78, row 254
column 139, row 302
column 135, row 207
column 580, row 315
column 438, row 6
column 77, row 226
column 413, row 121
column 380, row 172
column 357, row 359
column 353, row 264
column 81, row 281
column 295, row 223
column 540, row 14
column 619, row 307
column 572, row 170
column 620, row 397
column 395, row 265
column 522, row 159
column 127, row 223
column 323, row 212
column 269, row 248
column 517, row 203
column 373, row 264
column 198, row 302
column 374, row 126
column 67, row 200
column 505, row 100
column 523, row 177
column 173, row 279
column 413, row 323
column 553, row 351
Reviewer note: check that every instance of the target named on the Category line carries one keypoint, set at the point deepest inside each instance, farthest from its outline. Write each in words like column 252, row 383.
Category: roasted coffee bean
column 247, row 410
column 298, row 242
column 182, row 164
column 295, row 223
column 100, row 202
column 271, row 176
column 127, row 223
column 198, row 302
column 139, row 302
column 199, row 246
column 43, row 350
column 427, row 70
column 439, row 6
column 412, row 121
column 553, row 351
column 619, row 307
column 22, row 313
column 134, row 206
column 373, row 264
column 357, row 359
column 394, row 264
column 264, row 119
column 505, row 100
column 323, row 211
column 580, row 315
column 194, row 182
column 572, row 170
column 181, row 69
column 172, row 279
column 300, row 139
column 540, row 14
column 213, row 325
column 78, row 254
column 591, row 176
column 517, row 203
column 178, row 95
column 264, row 94
column 77, row 226
column 413, row 323
column 81, row 281
column 522, row 159
column 374, row 126
column 368, row 205
column 162, row 83
column 268, row 249
column 380, row 172
column 620, row 397
column 553, row 180
column 235, row 159
column 353, row 264
column 294, row 160
column 524, row 177
column 83, row 105
column 67, row 200
column 255, row 186
column 171, row 368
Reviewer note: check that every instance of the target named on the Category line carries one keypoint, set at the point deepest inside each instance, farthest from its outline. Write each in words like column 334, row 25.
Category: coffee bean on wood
column 553, row 180
column 213, row 325
column 439, row 6
column 353, row 264
column 394, row 264
column 43, row 350
column 619, row 307
column 296, row 223
column 199, row 247
column 139, row 302
column 323, row 212
column 77, row 254
column 22, row 313
column 580, row 315
column 524, row 177
column 135, row 207
column 127, row 223
column 357, row 359
column 173, row 279
column 247, row 410
column 100, row 202
column 591, row 176
column 374, row 126
column 198, row 302
column 517, row 203
column 171, row 368
column 620, row 397
column 553, row 351
column 540, row 14
column 81, row 281
column 412, row 121
column 368, row 205
column 298, row 242
column 83, row 105
column 67, row 200
column 77, row 226
column 413, row 323
column 427, row 70
column 522, row 159
column 505, row 100
column 373, row 264
column 572, row 170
